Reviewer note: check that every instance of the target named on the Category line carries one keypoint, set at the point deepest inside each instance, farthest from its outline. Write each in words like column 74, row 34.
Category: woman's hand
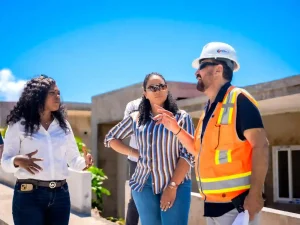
column 168, row 198
column 88, row 161
column 167, row 119
column 88, row 158
column 28, row 163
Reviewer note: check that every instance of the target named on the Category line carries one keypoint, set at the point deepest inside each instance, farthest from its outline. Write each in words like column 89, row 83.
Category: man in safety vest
column 230, row 143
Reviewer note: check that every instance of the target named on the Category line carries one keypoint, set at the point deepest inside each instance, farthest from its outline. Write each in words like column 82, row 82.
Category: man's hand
column 168, row 198
column 167, row 119
column 28, row 163
column 253, row 203
column 260, row 158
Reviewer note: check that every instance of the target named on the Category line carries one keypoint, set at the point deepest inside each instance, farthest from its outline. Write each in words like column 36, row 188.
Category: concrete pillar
column 108, row 161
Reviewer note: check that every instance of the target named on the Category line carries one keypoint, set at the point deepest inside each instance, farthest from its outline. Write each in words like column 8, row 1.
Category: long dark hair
column 145, row 106
column 32, row 103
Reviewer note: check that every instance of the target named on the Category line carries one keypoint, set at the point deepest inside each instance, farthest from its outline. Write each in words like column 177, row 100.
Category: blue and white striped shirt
column 159, row 149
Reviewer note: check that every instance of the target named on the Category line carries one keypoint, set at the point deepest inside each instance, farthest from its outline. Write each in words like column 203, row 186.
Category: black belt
column 41, row 183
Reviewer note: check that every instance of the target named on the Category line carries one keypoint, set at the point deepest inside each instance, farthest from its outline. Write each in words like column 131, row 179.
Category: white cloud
column 10, row 87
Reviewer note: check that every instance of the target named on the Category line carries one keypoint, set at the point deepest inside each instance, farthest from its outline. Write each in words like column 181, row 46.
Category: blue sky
column 91, row 47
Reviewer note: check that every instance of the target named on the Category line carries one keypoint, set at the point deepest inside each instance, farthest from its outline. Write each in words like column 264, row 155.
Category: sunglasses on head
column 206, row 64
column 159, row 87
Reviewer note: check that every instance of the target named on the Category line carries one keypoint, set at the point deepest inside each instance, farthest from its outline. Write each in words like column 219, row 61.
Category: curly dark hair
column 145, row 106
column 32, row 103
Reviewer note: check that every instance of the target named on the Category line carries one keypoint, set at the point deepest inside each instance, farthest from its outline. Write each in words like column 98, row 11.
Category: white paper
column 242, row 218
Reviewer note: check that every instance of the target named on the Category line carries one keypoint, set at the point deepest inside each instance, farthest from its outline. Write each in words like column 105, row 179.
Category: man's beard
column 200, row 86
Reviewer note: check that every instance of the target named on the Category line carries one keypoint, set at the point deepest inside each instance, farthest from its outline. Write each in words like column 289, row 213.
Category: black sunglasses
column 206, row 64
column 159, row 87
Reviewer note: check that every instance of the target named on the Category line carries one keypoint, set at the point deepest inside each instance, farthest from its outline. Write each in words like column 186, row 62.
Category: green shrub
column 3, row 131
column 98, row 177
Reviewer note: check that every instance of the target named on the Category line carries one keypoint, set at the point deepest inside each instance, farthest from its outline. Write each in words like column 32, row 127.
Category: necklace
column 47, row 123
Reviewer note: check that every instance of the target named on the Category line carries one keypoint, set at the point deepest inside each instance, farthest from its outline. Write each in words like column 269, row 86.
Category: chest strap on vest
column 225, row 116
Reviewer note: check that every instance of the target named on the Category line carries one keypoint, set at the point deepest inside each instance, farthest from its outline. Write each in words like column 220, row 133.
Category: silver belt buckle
column 52, row 184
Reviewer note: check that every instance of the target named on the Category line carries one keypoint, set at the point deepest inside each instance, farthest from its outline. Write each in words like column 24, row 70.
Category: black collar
column 219, row 98
column 222, row 92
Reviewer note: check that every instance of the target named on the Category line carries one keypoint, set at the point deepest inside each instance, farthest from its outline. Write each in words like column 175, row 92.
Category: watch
column 173, row 185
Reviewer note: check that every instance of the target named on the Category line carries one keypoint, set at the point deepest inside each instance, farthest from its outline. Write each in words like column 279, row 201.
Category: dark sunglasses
column 159, row 87
column 206, row 64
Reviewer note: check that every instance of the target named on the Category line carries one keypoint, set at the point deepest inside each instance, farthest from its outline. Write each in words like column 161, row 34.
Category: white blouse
column 57, row 149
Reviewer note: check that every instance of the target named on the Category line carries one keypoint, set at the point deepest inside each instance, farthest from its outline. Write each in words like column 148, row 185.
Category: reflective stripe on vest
column 225, row 116
column 226, row 184
column 223, row 156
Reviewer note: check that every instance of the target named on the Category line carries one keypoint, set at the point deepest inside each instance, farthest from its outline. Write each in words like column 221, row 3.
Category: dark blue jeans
column 148, row 205
column 41, row 206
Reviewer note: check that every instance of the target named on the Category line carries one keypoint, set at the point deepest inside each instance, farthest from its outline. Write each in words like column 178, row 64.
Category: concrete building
column 279, row 103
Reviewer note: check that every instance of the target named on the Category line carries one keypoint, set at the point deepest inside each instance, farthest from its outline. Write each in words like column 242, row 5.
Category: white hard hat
column 217, row 50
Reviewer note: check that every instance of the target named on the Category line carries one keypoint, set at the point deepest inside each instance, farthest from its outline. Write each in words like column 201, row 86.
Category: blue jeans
column 148, row 205
column 41, row 206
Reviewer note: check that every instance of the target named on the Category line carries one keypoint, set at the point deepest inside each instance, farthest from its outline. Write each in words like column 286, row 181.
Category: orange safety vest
column 223, row 166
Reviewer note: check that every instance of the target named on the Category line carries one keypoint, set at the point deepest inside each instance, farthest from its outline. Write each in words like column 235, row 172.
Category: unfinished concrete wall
column 282, row 129
column 108, row 161
column 114, row 166
column 81, row 125
column 5, row 108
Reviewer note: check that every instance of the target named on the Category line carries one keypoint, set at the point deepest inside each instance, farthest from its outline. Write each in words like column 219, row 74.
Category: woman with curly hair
column 39, row 146
column 161, row 183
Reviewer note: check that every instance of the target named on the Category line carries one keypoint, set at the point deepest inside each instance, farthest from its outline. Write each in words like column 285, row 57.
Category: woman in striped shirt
column 161, row 184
